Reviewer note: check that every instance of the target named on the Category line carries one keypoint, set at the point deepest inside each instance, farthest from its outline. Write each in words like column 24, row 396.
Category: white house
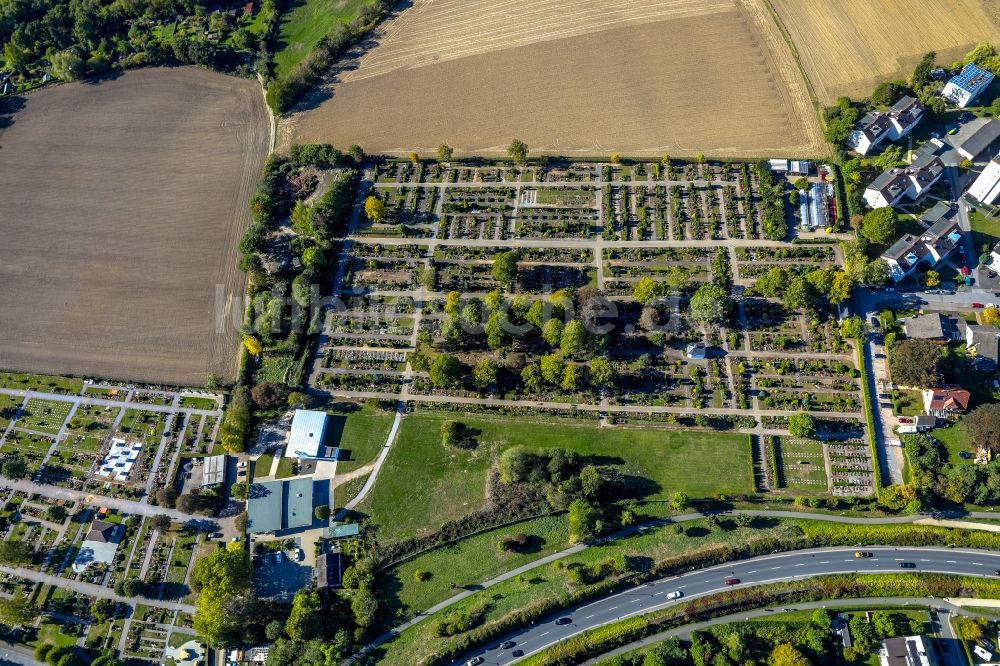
column 964, row 87
column 306, row 437
column 906, row 651
column 931, row 247
column 912, row 181
column 986, row 188
column 877, row 126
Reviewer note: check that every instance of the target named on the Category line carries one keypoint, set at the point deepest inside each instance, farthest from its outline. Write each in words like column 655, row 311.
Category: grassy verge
column 452, row 481
column 304, row 24
column 359, row 434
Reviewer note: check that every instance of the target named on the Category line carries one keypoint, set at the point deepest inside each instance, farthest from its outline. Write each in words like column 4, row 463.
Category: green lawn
column 424, row 484
column 304, row 24
column 25, row 382
column 909, row 402
column 985, row 231
column 286, row 468
column 262, row 466
column 802, row 466
column 955, row 439
column 359, row 434
column 416, row 643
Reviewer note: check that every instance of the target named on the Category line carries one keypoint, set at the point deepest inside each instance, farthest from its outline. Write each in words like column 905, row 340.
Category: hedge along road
column 759, row 570
column 790, row 515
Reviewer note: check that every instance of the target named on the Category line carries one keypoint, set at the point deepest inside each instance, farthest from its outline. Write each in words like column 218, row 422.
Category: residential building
column 984, row 343
column 907, row 651
column 911, row 181
column 329, row 570
column 305, row 440
column 914, row 424
column 99, row 546
column 877, row 126
column 943, row 401
column 974, row 137
column 256, row 655
column 965, row 86
column 935, row 327
column 696, row 350
column 931, row 247
column 275, row 506
column 986, row 188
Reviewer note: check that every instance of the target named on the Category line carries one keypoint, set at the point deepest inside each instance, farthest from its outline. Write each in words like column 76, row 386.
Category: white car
column 298, row 555
column 676, row 594
column 279, row 558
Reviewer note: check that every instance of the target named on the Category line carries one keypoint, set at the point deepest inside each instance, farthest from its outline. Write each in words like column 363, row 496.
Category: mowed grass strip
column 45, row 416
column 305, row 24
column 424, row 484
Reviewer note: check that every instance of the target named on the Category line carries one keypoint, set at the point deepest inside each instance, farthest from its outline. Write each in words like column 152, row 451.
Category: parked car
column 279, row 558
column 214, row 535
column 298, row 554
column 863, row 553
column 676, row 594
column 977, row 305
column 732, row 581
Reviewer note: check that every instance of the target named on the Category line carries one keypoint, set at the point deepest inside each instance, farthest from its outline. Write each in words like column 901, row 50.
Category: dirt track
column 681, row 76
column 848, row 47
column 123, row 201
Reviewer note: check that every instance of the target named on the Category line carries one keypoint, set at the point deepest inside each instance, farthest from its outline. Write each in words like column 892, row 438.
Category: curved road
column 765, row 569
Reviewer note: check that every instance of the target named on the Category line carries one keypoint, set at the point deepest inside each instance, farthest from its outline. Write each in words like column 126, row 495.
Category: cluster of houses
column 940, row 240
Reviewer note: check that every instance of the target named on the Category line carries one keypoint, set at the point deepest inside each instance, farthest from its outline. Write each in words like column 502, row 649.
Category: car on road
column 977, row 305
column 475, row 661
column 506, row 645
column 732, row 581
column 676, row 594
column 517, row 653
column 863, row 553
column 564, row 620
column 907, row 565
column 996, row 572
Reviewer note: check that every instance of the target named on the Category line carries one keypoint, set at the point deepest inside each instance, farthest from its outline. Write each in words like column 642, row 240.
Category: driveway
column 890, row 457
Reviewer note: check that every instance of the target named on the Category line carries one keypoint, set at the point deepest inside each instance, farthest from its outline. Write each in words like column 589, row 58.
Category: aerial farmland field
column 123, row 202
column 849, row 50
column 587, row 78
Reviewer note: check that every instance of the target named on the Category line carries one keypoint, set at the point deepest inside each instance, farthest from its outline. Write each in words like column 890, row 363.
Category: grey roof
column 985, row 340
column 264, row 507
column 941, row 210
column 328, row 570
column 924, row 420
column 213, row 470
column 975, row 136
column 298, row 503
column 104, row 532
column 905, row 245
column 343, row 531
column 928, row 326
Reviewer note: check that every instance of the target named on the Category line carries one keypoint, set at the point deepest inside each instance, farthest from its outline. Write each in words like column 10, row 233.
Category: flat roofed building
column 965, row 86
column 298, row 503
column 306, row 437
column 974, row 137
column 906, row 651
column 275, row 506
column 213, row 470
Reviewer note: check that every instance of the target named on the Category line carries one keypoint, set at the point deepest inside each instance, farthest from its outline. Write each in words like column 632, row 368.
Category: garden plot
column 33, row 448
column 851, row 467
column 801, row 464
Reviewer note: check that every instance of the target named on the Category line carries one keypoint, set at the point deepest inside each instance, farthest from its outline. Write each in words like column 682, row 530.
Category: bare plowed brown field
column 849, row 46
column 583, row 78
column 122, row 204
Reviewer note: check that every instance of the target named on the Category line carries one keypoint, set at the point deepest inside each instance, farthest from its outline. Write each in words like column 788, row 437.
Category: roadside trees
column 915, row 363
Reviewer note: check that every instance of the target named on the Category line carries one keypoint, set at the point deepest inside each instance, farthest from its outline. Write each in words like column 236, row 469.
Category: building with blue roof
column 276, row 506
column 965, row 86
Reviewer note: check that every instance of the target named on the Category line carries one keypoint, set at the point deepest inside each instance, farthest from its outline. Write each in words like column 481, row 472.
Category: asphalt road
column 765, row 569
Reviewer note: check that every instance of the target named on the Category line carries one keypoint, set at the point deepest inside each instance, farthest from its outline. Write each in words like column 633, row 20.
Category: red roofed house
column 946, row 400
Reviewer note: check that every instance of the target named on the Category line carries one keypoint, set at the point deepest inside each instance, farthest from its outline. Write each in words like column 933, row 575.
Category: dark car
column 517, row 653
column 732, row 581
column 564, row 620
column 907, row 565
column 506, row 645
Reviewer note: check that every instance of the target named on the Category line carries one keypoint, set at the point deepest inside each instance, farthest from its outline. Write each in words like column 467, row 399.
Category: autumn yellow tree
column 616, row 158
column 991, row 316
column 414, row 157
column 375, row 209
column 968, row 629
column 252, row 344
column 932, row 279
column 787, row 655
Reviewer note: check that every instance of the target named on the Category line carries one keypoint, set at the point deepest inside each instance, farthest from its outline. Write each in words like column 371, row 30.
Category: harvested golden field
column 584, row 78
column 123, row 201
column 850, row 46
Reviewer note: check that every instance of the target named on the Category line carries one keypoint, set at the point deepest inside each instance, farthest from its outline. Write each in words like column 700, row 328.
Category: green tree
column 55, row 513
column 801, row 294
column 584, row 519
column 102, row 609
column 68, row 65
column 17, row 611
column 322, row 512
column 680, row 501
column 841, row 287
column 982, row 426
column 602, row 372
column 306, row 618
column 915, row 363
column 14, row 467
column 485, row 373
column 932, row 279
column 552, row 332
column 453, row 303
column 356, row 153
column 161, row 523
column 445, row 371
column 801, row 425
column 710, row 305
column 879, row 225
column 553, row 368
column 573, row 377
column 773, row 282
column 822, row 619
column 518, row 151
column 505, row 267
column 15, row 552
column 574, row 341
column 445, row 152
column 222, row 581
column 364, row 605
column 853, row 327
column 496, row 336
